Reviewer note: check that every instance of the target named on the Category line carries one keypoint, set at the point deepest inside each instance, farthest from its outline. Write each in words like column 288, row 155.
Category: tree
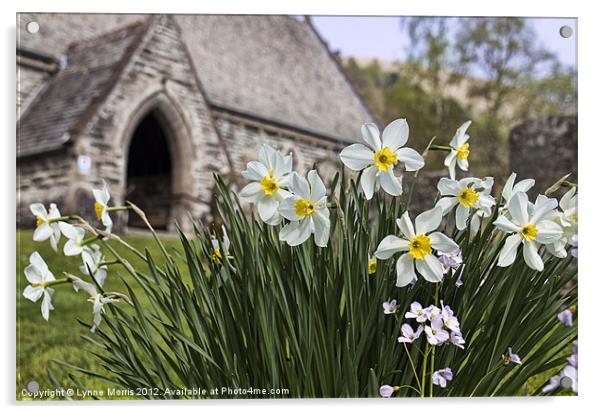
column 501, row 51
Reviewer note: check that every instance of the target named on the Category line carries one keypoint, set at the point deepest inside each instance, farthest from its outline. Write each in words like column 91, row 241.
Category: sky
column 382, row 38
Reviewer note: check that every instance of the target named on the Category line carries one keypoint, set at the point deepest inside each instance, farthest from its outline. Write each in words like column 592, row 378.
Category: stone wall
column 243, row 139
column 545, row 149
column 41, row 177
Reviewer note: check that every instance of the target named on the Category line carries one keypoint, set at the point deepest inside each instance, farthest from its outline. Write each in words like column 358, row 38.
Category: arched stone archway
column 149, row 174
column 159, row 156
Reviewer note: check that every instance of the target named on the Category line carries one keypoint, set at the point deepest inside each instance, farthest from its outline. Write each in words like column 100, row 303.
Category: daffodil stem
column 62, row 218
column 57, row 282
column 120, row 208
column 90, row 239
column 440, row 148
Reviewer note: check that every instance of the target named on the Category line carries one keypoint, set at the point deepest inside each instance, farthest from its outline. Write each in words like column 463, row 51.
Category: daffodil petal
column 507, row 190
column 296, row 233
column 255, row 171
column 446, row 204
column 442, row 243
column 531, row 256
column 430, row 268
column 42, row 232
column 390, row 183
column 412, row 160
column 321, row 227
column 462, row 214
column 405, row 270
column 38, row 210
column 251, row 192
column 524, row 185
column 548, row 232
column 33, row 293
column 508, row 252
column 300, row 186
column 543, row 205
column 318, row 189
column 287, row 209
column 266, row 207
column 460, row 137
column 46, row 303
column 395, row 135
column 357, row 157
column 405, row 226
column 429, row 220
column 36, row 259
column 389, row 246
column 368, row 181
column 448, row 187
column 503, row 223
column 518, row 209
column 370, row 134
column 450, row 162
column 71, row 248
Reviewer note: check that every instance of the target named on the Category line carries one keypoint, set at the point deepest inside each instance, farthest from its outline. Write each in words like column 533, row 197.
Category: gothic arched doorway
column 149, row 173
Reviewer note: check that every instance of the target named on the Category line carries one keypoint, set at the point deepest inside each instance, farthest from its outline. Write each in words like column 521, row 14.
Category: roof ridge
column 337, row 63
column 92, row 106
column 110, row 85
column 108, row 36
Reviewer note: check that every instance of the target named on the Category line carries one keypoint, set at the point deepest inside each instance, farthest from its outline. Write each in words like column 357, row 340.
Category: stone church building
column 155, row 104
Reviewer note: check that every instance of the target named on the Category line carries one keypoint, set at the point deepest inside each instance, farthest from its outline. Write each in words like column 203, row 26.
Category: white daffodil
column 98, row 309
column 379, row 159
column 466, row 195
column 39, row 276
column 270, row 177
column 220, row 253
column 93, row 263
column 566, row 217
column 307, row 210
column 419, row 244
column 460, row 149
column 101, row 206
column 45, row 227
column 568, row 214
column 98, row 300
column 531, row 228
column 75, row 244
column 521, row 187
column 217, row 252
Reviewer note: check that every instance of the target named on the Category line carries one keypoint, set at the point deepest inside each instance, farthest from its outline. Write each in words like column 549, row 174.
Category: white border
column 589, row 26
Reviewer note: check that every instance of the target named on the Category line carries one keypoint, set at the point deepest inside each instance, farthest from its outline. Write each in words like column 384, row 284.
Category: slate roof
column 70, row 97
column 274, row 68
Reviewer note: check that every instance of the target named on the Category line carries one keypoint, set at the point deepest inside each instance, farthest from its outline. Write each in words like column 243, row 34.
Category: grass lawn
column 38, row 341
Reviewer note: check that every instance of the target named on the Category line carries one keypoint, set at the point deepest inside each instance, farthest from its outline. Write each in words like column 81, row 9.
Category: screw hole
column 32, row 27
column 566, row 31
